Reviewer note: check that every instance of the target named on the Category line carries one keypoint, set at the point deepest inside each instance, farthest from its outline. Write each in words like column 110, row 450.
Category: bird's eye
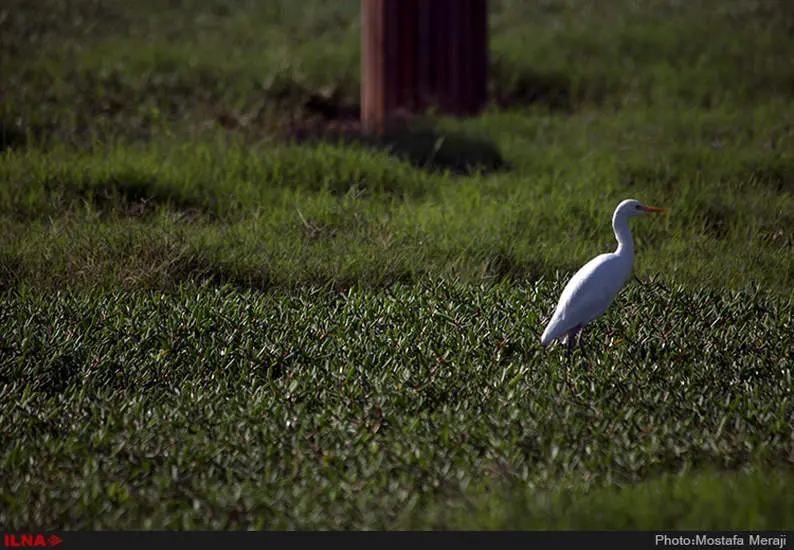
column 638, row 207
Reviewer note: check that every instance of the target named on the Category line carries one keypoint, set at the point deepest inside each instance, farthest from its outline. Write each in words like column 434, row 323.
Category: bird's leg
column 581, row 341
column 568, row 347
column 580, row 332
column 570, row 341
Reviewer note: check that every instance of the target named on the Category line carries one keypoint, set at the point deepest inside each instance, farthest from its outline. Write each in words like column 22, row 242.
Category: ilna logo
column 27, row 539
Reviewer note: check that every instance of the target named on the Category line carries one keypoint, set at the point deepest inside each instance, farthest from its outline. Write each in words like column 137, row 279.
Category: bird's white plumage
column 593, row 288
column 587, row 295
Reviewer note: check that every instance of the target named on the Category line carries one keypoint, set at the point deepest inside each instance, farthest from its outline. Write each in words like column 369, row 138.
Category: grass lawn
column 217, row 313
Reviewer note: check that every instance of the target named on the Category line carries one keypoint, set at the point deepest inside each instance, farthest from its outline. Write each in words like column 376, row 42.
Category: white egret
column 593, row 288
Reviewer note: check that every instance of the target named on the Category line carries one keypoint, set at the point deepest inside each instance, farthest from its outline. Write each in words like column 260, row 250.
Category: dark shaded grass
column 217, row 182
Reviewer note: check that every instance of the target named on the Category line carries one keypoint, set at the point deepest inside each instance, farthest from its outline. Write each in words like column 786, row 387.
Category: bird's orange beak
column 653, row 209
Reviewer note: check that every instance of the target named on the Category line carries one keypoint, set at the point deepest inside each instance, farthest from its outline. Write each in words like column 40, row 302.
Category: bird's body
column 587, row 295
column 593, row 288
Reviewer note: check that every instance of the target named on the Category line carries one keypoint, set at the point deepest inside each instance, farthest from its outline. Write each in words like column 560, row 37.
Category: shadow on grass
column 333, row 115
column 512, row 87
column 759, row 168
column 127, row 192
column 11, row 136
column 198, row 269
column 419, row 143
column 774, row 172
column 11, row 271
column 501, row 265
column 136, row 191
column 166, row 267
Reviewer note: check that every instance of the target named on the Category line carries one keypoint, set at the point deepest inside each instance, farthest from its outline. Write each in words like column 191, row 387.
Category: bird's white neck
column 620, row 226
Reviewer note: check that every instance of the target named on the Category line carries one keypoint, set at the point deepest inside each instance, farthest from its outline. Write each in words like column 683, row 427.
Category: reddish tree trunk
column 417, row 54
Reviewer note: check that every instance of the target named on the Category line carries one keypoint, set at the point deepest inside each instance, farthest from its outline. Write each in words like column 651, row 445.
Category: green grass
column 207, row 324
column 689, row 501
column 220, row 408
